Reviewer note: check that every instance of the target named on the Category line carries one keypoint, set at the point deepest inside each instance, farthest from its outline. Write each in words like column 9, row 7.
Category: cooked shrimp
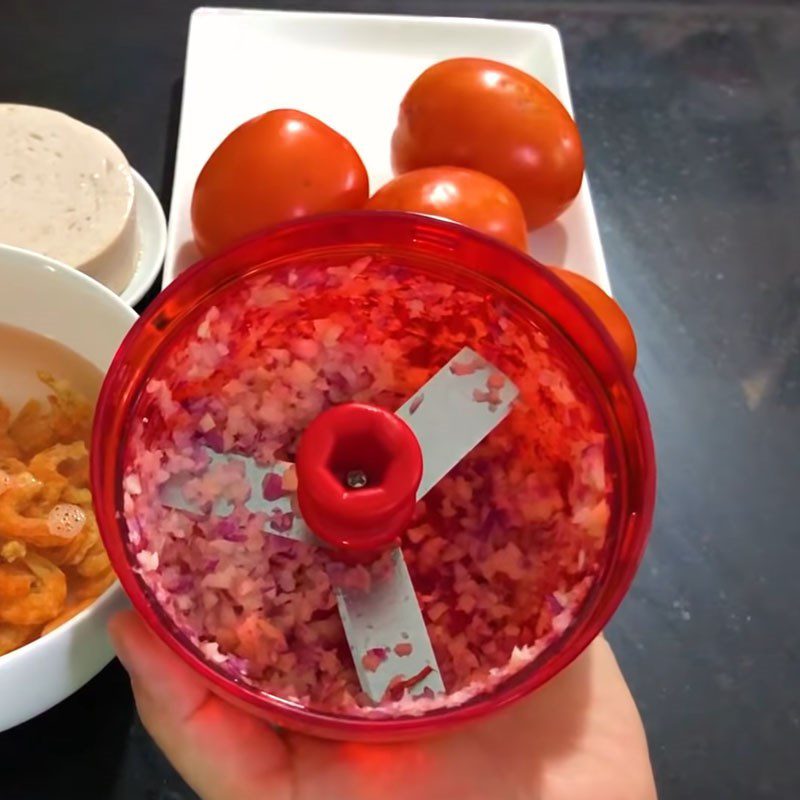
column 67, row 420
column 31, row 431
column 95, row 562
column 12, row 465
column 77, row 549
column 14, row 636
column 93, row 587
column 44, row 466
column 8, row 447
column 70, row 610
column 52, row 561
column 12, row 551
column 70, row 411
column 77, row 472
column 44, row 601
column 15, row 582
column 16, row 525
column 77, row 496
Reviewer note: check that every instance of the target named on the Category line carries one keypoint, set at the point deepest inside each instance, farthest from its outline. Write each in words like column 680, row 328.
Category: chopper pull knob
column 358, row 467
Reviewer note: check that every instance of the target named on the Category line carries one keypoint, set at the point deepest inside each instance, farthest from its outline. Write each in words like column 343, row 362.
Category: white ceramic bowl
column 47, row 298
column 152, row 241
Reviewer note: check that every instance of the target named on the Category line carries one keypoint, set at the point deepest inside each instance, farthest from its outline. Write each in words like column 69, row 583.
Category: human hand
column 579, row 737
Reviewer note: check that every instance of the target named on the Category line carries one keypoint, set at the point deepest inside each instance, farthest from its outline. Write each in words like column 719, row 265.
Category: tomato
column 487, row 116
column 607, row 310
column 462, row 195
column 281, row 165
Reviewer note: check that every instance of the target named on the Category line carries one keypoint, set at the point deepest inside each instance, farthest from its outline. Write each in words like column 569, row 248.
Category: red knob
column 358, row 471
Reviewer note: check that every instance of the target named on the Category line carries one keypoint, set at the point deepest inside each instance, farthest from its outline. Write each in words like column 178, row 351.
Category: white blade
column 454, row 411
column 387, row 634
column 183, row 492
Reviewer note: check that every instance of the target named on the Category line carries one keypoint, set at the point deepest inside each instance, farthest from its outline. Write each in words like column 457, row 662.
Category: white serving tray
column 351, row 71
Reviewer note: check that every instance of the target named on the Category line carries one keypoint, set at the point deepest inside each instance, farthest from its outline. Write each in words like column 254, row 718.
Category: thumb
column 220, row 752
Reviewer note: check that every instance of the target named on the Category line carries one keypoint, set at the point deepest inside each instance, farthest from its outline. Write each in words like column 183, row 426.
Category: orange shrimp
column 31, row 431
column 40, row 591
column 77, row 496
column 12, row 465
column 8, row 447
column 14, row 636
column 95, row 562
column 46, row 598
column 92, row 588
column 70, row 610
column 77, row 549
column 16, row 525
column 12, row 551
column 67, row 420
column 44, row 466
column 15, row 582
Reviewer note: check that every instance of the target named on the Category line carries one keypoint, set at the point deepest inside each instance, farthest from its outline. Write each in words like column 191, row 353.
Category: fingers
column 595, row 734
column 163, row 680
column 578, row 736
column 220, row 751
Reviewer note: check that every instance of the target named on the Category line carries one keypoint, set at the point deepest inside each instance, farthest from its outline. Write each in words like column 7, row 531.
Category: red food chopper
column 378, row 474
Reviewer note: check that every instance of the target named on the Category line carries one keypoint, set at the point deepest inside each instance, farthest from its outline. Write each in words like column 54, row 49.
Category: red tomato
column 281, row 165
column 462, row 195
column 607, row 310
column 469, row 112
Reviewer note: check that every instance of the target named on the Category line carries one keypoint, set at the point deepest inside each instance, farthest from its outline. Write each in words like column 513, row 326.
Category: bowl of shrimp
column 59, row 330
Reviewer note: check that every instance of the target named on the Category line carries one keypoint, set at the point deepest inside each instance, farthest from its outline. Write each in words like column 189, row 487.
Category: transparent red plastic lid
column 378, row 473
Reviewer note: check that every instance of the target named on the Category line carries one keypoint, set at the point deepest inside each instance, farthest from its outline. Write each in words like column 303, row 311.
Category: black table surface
column 690, row 115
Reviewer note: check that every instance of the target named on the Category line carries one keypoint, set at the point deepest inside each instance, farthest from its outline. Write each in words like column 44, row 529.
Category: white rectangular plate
column 351, row 71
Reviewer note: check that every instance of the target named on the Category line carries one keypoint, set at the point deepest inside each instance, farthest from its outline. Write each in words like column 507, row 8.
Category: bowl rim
column 151, row 224
column 61, row 266
column 208, row 276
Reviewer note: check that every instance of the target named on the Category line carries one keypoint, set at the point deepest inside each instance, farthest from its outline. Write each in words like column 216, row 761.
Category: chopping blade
column 387, row 634
column 453, row 412
column 282, row 519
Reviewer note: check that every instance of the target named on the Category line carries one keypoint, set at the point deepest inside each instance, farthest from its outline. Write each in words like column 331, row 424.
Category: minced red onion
column 501, row 552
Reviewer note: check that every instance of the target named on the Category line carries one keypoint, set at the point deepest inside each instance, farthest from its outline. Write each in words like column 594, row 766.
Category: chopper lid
column 472, row 581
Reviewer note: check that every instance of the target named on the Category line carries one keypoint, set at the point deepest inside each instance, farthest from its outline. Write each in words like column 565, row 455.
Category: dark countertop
column 691, row 119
